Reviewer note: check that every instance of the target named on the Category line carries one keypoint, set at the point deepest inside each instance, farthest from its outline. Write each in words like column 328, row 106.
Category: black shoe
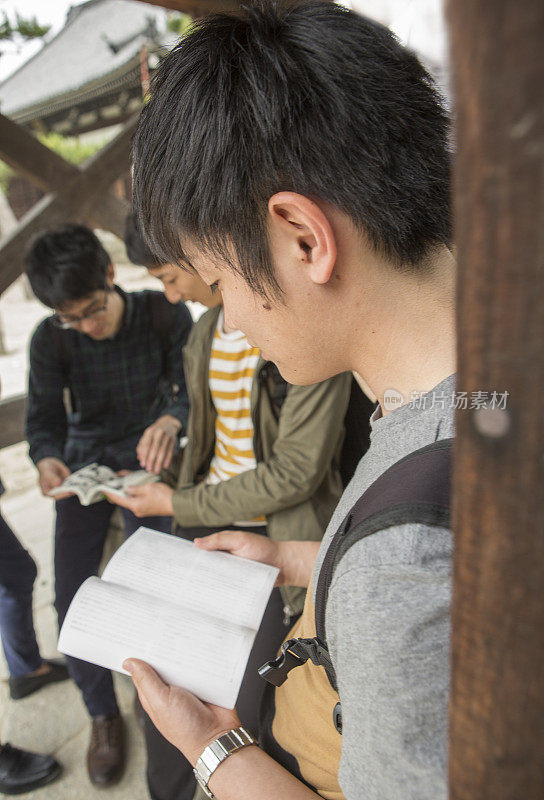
column 21, row 771
column 28, row 684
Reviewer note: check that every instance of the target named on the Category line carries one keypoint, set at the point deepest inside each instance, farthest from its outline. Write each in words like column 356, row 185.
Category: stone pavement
column 54, row 719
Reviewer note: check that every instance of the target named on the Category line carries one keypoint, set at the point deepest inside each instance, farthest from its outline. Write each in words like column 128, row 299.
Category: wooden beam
column 45, row 168
column 73, row 203
column 497, row 702
column 32, row 159
column 12, row 420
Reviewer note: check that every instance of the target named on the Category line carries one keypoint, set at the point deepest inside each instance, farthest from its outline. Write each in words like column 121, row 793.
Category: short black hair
column 137, row 249
column 310, row 98
column 66, row 264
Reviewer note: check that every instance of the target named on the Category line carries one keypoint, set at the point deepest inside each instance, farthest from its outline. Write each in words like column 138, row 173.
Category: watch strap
column 216, row 752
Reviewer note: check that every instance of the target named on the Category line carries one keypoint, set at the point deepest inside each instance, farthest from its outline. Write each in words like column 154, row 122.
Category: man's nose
column 172, row 295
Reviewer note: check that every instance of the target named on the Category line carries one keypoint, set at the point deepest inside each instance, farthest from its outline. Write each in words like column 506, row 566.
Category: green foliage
column 24, row 29
column 178, row 23
column 6, row 31
column 5, row 176
column 69, row 147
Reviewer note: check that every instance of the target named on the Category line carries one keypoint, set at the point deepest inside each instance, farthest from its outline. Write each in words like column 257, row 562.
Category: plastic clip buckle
column 277, row 670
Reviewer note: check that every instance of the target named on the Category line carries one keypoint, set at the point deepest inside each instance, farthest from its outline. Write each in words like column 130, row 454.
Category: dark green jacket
column 296, row 483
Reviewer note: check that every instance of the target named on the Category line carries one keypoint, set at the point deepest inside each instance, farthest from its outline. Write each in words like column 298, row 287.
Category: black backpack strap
column 356, row 420
column 275, row 386
column 160, row 311
column 416, row 490
column 357, row 426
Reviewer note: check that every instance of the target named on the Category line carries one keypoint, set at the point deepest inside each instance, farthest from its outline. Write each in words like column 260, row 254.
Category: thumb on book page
column 150, row 687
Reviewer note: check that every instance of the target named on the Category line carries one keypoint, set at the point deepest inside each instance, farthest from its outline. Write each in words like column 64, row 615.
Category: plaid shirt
column 117, row 386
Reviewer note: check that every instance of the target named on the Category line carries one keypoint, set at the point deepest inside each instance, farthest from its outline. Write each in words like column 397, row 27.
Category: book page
column 118, row 484
column 106, row 624
column 218, row 584
column 85, row 482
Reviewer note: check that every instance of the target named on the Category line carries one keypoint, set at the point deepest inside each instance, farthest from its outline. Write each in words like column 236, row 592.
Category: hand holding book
column 92, row 482
column 293, row 560
column 148, row 500
column 192, row 615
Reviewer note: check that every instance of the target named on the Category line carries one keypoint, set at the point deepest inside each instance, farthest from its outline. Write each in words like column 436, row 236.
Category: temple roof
column 95, row 53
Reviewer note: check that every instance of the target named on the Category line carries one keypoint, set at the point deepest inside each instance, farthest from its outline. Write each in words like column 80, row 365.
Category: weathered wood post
column 497, row 707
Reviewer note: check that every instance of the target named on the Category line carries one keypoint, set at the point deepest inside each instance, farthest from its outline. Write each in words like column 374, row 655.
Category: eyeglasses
column 67, row 322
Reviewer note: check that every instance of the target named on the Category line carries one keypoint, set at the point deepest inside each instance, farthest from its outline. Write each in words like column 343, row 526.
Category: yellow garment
column 303, row 723
column 231, row 373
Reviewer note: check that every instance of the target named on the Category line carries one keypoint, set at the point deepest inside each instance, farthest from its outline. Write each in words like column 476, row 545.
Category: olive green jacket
column 296, row 483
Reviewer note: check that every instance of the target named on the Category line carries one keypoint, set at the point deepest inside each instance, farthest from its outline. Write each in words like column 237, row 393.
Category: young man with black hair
column 296, row 157
column 261, row 456
column 115, row 359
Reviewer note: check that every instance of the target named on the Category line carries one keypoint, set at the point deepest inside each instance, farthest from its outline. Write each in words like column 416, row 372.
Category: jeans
column 17, row 575
column 80, row 534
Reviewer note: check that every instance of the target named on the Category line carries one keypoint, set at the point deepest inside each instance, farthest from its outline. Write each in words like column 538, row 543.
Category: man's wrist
column 174, row 421
column 296, row 561
column 217, row 751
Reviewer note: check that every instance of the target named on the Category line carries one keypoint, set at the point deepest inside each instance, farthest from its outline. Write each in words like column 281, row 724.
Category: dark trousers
column 17, row 575
column 169, row 774
column 80, row 534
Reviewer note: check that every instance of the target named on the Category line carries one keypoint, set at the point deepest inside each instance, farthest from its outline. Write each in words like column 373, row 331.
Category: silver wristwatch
column 216, row 752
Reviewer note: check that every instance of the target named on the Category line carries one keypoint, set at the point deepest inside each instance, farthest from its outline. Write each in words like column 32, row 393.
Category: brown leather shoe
column 106, row 753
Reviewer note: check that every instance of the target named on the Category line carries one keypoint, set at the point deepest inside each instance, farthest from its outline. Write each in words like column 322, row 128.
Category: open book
column 90, row 483
column 191, row 614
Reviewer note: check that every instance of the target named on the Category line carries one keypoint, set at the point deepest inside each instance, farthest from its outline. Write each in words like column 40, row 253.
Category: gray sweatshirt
column 388, row 627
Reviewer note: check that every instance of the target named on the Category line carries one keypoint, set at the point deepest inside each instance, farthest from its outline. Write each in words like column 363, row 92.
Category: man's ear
column 110, row 274
column 302, row 230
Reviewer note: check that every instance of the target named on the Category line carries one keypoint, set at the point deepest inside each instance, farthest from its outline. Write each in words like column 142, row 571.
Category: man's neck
column 224, row 327
column 414, row 347
column 118, row 307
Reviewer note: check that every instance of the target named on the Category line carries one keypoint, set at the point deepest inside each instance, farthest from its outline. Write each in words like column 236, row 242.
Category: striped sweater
column 232, row 368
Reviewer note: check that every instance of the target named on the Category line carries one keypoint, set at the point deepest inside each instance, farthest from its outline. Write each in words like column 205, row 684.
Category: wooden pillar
column 497, row 706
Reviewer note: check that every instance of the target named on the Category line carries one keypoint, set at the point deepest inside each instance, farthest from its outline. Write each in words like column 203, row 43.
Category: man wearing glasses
column 106, row 384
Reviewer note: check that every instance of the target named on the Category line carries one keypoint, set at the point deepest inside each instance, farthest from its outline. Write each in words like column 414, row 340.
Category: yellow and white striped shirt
column 232, row 368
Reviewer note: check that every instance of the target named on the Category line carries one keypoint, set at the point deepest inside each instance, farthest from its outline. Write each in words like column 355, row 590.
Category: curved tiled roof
column 99, row 38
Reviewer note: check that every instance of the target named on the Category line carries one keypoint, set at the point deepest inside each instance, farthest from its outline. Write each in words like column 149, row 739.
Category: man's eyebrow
column 83, row 310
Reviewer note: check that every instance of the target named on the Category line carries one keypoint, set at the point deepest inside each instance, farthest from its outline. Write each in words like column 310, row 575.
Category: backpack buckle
column 295, row 653
column 277, row 670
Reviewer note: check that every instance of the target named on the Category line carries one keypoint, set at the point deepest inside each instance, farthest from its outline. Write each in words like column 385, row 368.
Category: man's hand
column 187, row 722
column 295, row 560
column 191, row 725
column 157, row 444
column 51, row 473
column 149, row 500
